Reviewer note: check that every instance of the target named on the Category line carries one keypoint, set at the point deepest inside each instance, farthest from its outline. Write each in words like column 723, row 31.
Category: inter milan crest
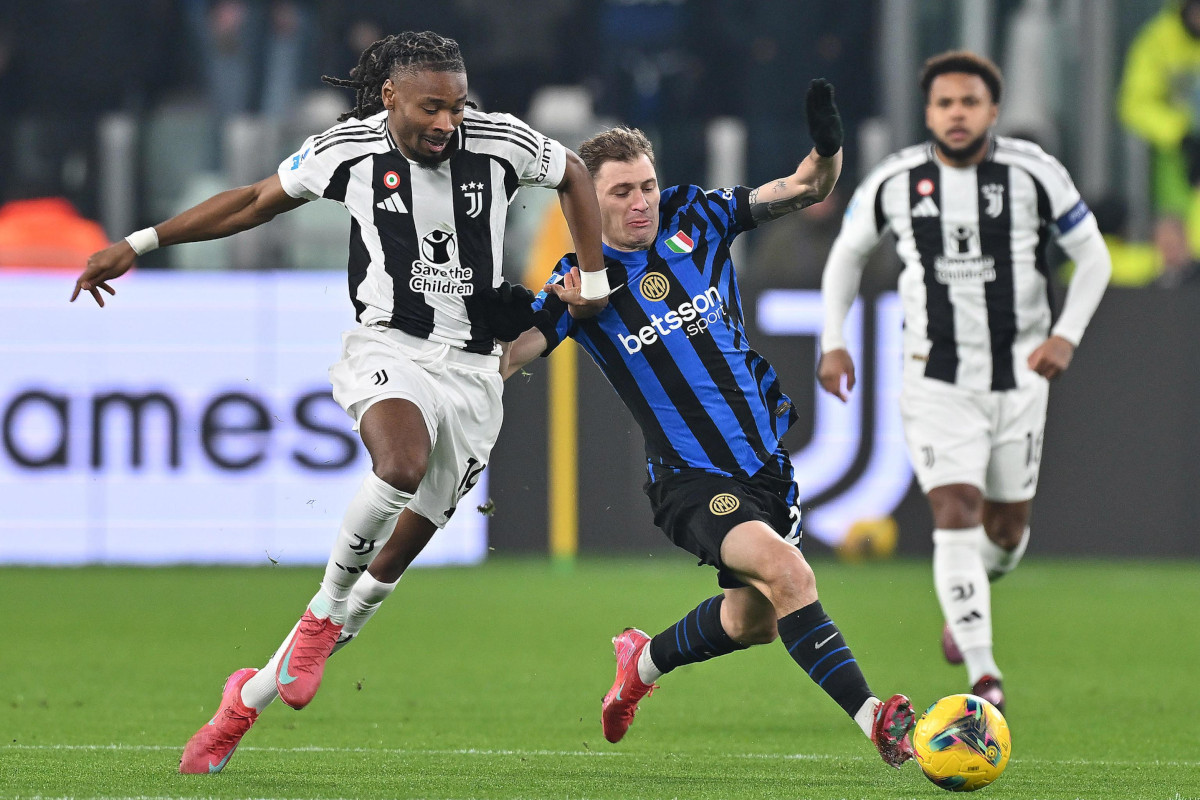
column 723, row 503
column 654, row 286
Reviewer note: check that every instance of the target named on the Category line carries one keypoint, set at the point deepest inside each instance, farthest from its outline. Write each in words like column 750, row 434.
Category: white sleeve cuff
column 1093, row 267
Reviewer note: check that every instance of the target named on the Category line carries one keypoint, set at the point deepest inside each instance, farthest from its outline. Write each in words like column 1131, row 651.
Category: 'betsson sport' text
column 693, row 317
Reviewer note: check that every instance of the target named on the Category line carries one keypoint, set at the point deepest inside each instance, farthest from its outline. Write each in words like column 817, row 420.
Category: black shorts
column 697, row 509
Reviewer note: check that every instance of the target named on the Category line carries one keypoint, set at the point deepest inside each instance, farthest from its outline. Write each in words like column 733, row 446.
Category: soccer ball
column 962, row 743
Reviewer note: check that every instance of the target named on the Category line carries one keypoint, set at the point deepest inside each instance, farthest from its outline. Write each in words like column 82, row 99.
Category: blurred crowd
column 184, row 69
column 663, row 64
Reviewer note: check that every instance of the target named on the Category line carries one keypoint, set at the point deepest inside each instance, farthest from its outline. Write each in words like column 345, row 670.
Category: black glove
column 1191, row 157
column 824, row 123
column 507, row 309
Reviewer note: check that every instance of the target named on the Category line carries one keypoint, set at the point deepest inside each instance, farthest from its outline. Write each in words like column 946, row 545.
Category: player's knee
column 957, row 506
column 405, row 475
column 790, row 578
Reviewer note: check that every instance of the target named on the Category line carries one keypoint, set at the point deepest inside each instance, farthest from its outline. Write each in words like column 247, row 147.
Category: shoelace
column 314, row 642
column 236, row 725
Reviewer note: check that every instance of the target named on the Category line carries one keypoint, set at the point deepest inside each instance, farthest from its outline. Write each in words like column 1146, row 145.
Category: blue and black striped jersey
column 672, row 341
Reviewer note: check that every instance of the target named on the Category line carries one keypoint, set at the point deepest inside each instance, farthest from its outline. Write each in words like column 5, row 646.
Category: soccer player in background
column 672, row 344
column 427, row 180
column 972, row 213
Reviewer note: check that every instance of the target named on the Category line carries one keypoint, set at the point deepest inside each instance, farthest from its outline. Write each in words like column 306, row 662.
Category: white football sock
column 979, row 662
column 964, row 594
column 259, row 691
column 647, row 671
column 365, row 598
column 865, row 716
column 368, row 524
column 999, row 562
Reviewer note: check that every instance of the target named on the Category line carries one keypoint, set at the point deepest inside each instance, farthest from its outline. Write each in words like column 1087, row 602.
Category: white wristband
column 593, row 285
column 143, row 241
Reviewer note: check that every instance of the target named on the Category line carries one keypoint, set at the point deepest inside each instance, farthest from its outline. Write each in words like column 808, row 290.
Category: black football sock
column 697, row 637
column 818, row 647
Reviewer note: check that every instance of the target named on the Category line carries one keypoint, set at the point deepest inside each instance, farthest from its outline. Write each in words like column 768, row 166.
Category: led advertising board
column 189, row 421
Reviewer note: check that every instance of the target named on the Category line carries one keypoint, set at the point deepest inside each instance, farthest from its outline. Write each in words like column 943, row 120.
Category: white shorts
column 459, row 394
column 991, row 440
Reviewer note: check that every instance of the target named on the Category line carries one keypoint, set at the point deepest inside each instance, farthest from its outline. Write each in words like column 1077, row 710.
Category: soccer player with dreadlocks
column 427, row 180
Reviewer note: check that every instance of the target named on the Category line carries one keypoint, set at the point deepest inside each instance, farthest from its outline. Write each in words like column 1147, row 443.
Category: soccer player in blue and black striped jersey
column 672, row 343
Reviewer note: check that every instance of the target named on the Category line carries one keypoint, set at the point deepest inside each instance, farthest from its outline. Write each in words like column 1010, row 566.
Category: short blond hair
column 616, row 144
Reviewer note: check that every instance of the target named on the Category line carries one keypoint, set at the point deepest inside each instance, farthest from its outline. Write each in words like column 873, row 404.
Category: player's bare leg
column 781, row 574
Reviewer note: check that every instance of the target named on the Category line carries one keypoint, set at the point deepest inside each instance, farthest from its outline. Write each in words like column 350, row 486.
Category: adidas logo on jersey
column 392, row 203
column 926, row 208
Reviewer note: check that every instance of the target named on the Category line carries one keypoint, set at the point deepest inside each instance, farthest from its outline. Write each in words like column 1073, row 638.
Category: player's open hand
column 103, row 266
column 1052, row 357
column 824, row 122
column 568, row 290
column 835, row 368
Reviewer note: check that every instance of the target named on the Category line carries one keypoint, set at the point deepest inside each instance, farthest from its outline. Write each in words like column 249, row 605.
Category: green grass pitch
column 486, row 683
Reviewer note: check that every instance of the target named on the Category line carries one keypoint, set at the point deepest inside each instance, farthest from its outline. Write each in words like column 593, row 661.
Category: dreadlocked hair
column 403, row 52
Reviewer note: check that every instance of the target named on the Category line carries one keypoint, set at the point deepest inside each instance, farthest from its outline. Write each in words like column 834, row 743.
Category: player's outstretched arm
column 221, row 215
column 814, row 179
column 577, row 195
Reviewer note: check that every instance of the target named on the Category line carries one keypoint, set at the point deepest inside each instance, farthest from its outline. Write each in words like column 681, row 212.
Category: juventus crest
column 993, row 193
column 473, row 194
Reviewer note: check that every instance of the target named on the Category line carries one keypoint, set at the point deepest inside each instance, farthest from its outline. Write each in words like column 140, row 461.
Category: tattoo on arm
column 774, row 209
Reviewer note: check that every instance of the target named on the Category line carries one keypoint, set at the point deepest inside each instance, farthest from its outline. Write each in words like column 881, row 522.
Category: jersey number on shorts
column 1033, row 449
column 797, row 531
column 469, row 479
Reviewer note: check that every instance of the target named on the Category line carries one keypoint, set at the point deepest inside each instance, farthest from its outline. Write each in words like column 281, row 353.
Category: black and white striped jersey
column 424, row 239
column 974, row 286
